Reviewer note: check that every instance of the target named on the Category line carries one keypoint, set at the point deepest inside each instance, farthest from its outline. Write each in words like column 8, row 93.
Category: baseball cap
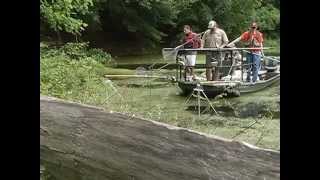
column 254, row 25
column 211, row 24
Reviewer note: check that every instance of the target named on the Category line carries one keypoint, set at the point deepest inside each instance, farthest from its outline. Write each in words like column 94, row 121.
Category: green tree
column 268, row 17
column 232, row 16
column 65, row 15
column 154, row 21
column 142, row 18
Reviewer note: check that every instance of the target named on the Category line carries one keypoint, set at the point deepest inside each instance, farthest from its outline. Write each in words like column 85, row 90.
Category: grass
column 164, row 105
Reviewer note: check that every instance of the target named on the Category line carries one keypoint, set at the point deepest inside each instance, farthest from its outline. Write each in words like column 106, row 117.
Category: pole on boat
column 177, row 68
column 199, row 105
column 241, row 65
column 225, row 49
column 189, row 40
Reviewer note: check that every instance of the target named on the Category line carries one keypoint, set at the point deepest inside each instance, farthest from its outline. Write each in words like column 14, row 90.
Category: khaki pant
column 213, row 72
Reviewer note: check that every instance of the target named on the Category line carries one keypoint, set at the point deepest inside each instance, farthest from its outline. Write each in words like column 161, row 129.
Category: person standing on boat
column 253, row 39
column 190, row 41
column 214, row 37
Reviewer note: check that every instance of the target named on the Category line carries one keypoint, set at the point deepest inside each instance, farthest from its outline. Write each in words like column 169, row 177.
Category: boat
column 229, row 85
column 229, row 88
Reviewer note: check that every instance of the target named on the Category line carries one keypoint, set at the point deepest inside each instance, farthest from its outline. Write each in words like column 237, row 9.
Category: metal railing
column 224, row 50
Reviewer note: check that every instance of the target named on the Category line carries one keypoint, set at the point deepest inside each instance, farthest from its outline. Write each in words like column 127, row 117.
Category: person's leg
column 213, row 73
column 216, row 72
column 249, row 68
column 208, row 67
column 256, row 65
column 192, row 64
column 188, row 57
column 185, row 67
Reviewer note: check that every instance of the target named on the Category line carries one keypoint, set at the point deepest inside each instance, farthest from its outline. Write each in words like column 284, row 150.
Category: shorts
column 190, row 60
column 212, row 57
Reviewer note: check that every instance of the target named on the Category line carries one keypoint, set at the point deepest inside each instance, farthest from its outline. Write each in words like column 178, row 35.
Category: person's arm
column 203, row 39
column 244, row 37
column 234, row 41
column 261, row 40
column 262, row 53
column 225, row 40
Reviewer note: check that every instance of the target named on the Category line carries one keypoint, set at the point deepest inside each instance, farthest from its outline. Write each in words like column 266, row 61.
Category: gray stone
column 84, row 142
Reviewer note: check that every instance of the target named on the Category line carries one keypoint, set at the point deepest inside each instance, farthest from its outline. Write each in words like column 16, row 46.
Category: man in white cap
column 214, row 37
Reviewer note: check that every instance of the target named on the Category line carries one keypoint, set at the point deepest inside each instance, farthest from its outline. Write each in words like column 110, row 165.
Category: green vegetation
column 64, row 15
column 150, row 22
column 275, row 44
column 73, row 72
column 165, row 105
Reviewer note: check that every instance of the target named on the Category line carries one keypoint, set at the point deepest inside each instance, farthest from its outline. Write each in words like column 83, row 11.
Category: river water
column 253, row 118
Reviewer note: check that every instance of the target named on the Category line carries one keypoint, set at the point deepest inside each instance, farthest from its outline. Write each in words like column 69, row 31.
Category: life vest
column 253, row 41
column 193, row 39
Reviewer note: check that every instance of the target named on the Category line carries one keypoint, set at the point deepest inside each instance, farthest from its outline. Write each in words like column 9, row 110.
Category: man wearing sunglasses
column 253, row 39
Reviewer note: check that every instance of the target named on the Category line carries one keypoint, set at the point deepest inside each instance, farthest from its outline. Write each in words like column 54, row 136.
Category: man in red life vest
column 253, row 39
column 190, row 41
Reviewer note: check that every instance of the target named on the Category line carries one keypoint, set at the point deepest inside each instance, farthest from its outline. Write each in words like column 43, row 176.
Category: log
column 85, row 142
column 134, row 76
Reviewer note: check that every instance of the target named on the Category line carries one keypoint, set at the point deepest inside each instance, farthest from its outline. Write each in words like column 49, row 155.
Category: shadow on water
column 250, row 110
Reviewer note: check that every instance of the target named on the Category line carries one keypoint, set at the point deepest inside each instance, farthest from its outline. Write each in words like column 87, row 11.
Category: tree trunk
column 83, row 142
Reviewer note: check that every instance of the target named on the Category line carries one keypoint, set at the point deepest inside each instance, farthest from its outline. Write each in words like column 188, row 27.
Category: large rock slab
column 85, row 142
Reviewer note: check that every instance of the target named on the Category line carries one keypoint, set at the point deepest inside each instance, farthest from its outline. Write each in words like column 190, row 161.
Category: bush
column 68, row 73
column 275, row 44
column 76, row 51
column 99, row 55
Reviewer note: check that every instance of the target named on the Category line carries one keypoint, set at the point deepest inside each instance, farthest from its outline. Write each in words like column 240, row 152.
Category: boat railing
column 174, row 54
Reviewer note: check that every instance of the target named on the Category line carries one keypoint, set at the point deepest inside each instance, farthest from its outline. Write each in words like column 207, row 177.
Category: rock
column 85, row 142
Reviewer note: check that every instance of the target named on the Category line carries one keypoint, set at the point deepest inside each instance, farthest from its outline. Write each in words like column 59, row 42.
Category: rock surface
column 84, row 142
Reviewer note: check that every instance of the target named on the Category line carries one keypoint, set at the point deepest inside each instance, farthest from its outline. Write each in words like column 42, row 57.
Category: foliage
column 139, row 18
column 153, row 21
column 76, row 51
column 64, row 15
column 268, row 18
column 234, row 16
column 275, row 44
column 80, row 79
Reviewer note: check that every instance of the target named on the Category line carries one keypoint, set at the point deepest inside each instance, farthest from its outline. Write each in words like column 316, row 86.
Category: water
column 160, row 100
column 141, row 59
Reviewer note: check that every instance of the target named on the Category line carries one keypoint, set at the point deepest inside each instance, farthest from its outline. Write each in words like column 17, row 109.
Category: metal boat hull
column 234, row 89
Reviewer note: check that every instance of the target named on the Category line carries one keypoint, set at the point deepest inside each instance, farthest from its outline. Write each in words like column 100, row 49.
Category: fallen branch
column 135, row 76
